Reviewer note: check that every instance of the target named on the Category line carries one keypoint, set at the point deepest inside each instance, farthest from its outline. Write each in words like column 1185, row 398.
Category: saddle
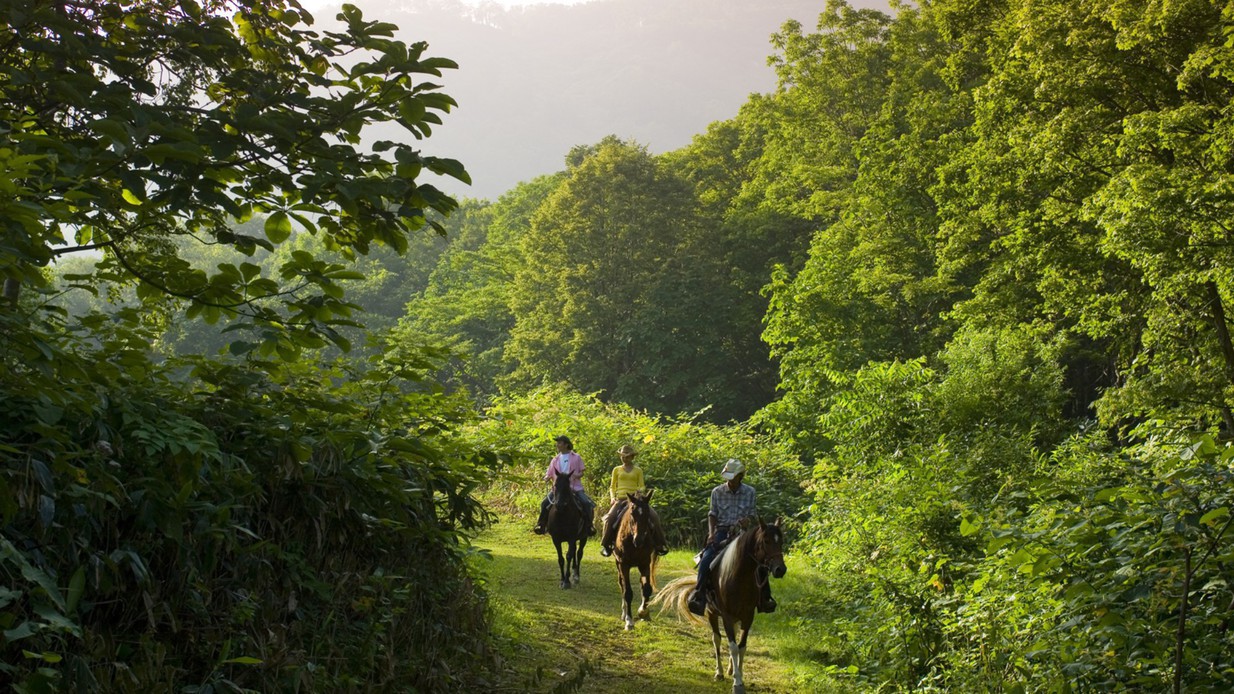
column 577, row 502
column 715, row 562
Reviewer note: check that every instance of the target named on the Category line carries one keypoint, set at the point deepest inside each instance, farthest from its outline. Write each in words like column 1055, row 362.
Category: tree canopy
column 129, row 126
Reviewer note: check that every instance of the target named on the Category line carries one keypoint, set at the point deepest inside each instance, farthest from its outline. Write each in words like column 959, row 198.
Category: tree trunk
column 1227, row 350
column 1180, row 636
column 12, row 289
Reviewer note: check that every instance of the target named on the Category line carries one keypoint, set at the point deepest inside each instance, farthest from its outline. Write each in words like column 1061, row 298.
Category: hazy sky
column 317, row 4
column 513, row 3
column 653, row 72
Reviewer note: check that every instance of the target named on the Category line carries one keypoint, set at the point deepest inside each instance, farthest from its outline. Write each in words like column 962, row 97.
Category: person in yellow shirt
column 627, row 479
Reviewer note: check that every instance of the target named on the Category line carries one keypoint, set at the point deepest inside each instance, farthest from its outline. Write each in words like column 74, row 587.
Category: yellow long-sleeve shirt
column 625, row 482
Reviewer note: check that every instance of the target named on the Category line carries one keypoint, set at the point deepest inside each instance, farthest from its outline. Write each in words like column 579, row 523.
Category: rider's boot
column 609, row 538
column 697, row 603
column 539, row 529
column 766, row 603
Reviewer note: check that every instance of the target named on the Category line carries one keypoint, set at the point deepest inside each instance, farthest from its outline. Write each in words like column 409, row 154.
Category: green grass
column 574, row 640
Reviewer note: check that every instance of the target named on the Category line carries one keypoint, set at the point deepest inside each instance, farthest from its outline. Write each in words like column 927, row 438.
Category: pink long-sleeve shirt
column 574, row 465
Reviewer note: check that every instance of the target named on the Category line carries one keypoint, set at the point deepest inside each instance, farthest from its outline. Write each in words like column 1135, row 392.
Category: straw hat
column 732, row 468
column 626, row 450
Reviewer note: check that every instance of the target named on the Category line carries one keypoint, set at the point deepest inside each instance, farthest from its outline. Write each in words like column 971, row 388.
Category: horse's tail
column 675, row 596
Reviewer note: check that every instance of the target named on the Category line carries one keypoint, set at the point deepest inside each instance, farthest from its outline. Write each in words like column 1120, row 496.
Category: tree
column 583, row 298
column 171, row 523
column 126, row 127
column 869, row 290
column 740, row 243
column 467, row 303
column 1094, row 198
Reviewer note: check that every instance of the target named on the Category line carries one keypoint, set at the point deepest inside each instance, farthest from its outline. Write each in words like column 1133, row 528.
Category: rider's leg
column 698, row 598
column 612, row 519
column 539, row 529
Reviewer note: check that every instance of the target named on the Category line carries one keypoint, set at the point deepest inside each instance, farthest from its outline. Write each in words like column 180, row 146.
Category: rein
column 762, row 570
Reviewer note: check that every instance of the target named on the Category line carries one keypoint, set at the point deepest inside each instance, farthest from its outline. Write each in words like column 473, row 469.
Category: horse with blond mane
column 744, row 567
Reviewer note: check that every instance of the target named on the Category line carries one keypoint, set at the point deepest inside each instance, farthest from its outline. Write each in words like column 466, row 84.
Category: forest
column 954, row 292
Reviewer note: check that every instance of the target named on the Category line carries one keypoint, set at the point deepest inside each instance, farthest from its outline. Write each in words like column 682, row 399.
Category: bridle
column 762, row 570
column 638, row 513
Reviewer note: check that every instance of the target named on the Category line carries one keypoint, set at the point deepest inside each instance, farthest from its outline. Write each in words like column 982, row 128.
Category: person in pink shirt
column 566, row 460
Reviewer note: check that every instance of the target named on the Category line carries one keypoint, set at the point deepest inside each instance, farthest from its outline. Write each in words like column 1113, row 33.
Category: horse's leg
column 739, row 662
column 627, row 594
column 578, row 559
column 561, row 565
column 570, row 559
column 644, row 578
column 715, row 643
column 734, row 653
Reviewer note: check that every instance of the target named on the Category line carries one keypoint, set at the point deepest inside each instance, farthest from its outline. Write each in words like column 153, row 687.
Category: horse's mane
column 731, row 559
column 627, row 518
column 563, row 485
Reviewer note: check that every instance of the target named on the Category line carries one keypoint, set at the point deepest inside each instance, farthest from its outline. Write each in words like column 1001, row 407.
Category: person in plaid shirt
column 732, row 506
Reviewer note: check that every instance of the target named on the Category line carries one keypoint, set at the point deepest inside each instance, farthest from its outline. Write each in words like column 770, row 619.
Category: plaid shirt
column 729, row 507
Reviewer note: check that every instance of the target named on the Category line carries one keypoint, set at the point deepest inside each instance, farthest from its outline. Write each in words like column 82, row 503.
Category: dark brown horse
column 636, row 548
column 567, row 523
column 744, row 567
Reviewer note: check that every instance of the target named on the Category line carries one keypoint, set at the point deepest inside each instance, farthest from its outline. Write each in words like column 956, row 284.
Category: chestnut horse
column 567, row 523
column 744, row 566
column 635, row 547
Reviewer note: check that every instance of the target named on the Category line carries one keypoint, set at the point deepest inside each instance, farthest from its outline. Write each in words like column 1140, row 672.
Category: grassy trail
column 573, row 640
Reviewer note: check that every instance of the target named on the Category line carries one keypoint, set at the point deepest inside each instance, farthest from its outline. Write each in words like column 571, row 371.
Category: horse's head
column 561, row 487
column 769, row 547
column 638, row 516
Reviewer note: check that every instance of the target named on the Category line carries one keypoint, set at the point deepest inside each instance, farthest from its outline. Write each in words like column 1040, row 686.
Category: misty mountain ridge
column 536, row 80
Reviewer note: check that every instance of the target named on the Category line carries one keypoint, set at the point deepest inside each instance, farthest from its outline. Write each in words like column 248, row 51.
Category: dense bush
column 203, row 526
column 1120, row 583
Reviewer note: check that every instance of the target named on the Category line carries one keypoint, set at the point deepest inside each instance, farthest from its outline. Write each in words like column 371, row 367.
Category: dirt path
column 573, row 640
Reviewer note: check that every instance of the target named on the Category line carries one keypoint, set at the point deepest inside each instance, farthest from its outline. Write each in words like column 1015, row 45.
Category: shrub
column 204, row 525
column 680, row 457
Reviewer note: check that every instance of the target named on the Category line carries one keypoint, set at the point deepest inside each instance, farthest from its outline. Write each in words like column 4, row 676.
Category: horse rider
column 732, row 508
column 570, row 462
column 627, row 479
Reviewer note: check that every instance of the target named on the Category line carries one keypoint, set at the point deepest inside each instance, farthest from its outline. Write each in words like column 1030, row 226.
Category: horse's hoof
column 739, row 689
column 644, row 614
column 629, row 626
column 719, row 677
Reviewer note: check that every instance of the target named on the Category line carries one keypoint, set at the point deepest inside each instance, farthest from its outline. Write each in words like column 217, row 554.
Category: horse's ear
column 630, row 497
column 649, row 493
column 776, row 522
